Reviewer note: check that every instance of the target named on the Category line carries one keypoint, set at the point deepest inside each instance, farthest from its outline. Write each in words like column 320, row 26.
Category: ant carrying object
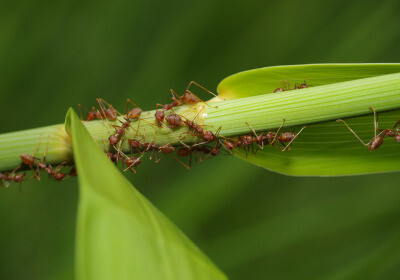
column 377, row 140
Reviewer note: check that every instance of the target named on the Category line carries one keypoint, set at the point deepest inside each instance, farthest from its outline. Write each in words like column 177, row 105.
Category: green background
column 253, row 224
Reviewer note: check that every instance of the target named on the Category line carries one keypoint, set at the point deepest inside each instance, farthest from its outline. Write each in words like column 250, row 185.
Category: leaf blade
column 120, row 235
column 328, row 148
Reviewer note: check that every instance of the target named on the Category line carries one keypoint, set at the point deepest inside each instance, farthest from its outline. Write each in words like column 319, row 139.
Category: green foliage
column 328, row 148
column 120, row 234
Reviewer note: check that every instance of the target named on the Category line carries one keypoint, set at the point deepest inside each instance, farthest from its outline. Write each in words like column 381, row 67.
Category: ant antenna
column 277, row 132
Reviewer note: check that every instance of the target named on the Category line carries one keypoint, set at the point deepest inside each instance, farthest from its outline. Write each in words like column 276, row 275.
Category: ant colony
column 208, row 145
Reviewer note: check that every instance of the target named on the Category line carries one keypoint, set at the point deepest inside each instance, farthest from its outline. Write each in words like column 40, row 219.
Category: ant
column 52, row 172
column 286, row 86
column 164, row 149
column 394, row 133
column 93, row 114
column 9, row 177
column 300, row 86
column 187, row 97
column 110, row 113
column 131, row 162
column 29, row 160
column 377, row 140
column 285, row 137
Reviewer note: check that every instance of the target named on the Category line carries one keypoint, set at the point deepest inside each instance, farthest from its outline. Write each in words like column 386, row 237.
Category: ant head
column 159, row 115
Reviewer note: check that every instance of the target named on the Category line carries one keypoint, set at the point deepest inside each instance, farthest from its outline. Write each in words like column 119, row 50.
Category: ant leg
column 396, row 124
column 277, row 132
column 159, row 105
column 375, row 121
column 174, row 94
column 80, row 111
column 130, row 101
column 203, row 100
column 188, row 167
column 177, row 138
column 101, row 103
column 37, row 176
column 158, row 159
column 200, row 86
column 253, row 131
column 352, row 131
column 294, row 138
column 15, row 170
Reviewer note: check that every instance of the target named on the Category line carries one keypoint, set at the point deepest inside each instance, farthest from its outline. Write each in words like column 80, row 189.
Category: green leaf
column 323, row 149
column 120, row 234
column 266, row 80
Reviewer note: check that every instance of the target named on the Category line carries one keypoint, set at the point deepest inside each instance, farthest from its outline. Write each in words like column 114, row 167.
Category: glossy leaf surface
column 323, row 149
column 120, row 234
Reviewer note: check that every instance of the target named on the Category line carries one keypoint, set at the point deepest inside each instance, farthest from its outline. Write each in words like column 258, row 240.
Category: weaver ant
column 187, row 98
column 377, row 140
column 286, row 86
column 286, row 137
column 52, row 172
column 9, row 177
column 29, row 160
column 300, row 86
column 93, row 114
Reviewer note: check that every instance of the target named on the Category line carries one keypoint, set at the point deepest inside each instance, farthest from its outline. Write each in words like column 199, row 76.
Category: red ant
column 394, row 133
column 55, row 173
column 29, row 160
column 377, row 140
column 93, row 114
column 110, row 113
column 286, row 86
column 187, row 98
column 208, row 136
column 131, row 162
column 9, row 177
column 286, row 137
column 300, row 86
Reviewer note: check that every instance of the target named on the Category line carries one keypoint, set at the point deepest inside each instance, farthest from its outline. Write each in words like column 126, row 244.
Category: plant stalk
column 263, row 112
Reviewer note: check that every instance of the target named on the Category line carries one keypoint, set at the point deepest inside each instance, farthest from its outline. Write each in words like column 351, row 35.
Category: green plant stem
column 263, row 112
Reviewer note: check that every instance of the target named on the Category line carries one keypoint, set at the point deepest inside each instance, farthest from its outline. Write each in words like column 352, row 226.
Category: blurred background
column 252, row 223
